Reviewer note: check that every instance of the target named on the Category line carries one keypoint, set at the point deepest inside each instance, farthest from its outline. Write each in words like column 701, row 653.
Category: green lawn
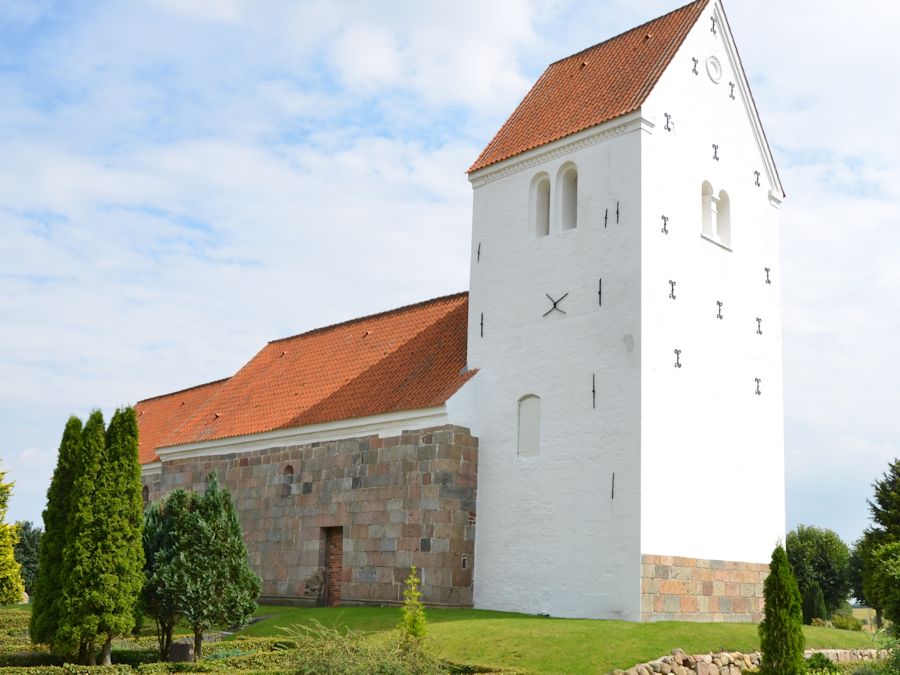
column 537, row 644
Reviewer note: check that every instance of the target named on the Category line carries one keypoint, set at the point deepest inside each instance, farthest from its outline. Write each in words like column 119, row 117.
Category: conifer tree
column 11, row 586
column 221, row 588
column 412, row 626
column 83, row 554
column 47, row 597
column 28, row 551
column 885, row 507
column 197, row 564
column 117, row 531
column 781, row 631
column 814, row 603
column 158, row 598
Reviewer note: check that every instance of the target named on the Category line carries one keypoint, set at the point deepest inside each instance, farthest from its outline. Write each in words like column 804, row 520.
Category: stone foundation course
column 694, row 589
column 736, row 663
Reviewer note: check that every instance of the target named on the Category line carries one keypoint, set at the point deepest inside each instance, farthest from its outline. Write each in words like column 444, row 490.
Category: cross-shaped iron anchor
column 555, row 307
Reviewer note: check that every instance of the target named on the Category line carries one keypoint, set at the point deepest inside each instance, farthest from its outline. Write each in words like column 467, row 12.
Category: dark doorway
column 334, row 565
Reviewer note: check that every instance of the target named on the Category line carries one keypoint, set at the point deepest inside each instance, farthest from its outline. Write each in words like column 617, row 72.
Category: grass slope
column 538, row 644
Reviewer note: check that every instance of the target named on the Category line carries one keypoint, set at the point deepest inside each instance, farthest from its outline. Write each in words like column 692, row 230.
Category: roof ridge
column 582, row 106
column 626, row 32
column 182, row 391
column 384, row 313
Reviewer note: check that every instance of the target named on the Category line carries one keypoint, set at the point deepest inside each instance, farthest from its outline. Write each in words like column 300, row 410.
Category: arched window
column 529, row 425
column 716, row 220
column 145, row 496
column 287, row 479
column 568, row 192
column 540, row 205
column 723, row 218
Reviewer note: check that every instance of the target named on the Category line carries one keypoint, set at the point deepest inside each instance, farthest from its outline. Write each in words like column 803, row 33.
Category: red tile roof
column 160, row 417
column 593, row 86
column 405, row 359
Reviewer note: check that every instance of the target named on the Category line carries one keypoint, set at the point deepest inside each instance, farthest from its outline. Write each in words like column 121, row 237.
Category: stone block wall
column 401, row 501
column 693, row 589
column 153, row 483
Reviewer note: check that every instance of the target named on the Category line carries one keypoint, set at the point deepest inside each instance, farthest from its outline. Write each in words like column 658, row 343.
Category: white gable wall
column 712, row 481
column 550, row 536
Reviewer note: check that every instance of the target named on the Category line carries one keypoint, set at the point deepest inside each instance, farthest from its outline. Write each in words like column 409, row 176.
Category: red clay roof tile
column 596, row 85
column 161, row 417
column 405, row 359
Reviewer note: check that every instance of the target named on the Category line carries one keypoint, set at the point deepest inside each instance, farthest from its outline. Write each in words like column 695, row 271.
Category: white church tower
column 625, row 319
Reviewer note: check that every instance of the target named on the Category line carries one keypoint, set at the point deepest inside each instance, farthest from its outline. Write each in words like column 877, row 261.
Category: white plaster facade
column 637, row 456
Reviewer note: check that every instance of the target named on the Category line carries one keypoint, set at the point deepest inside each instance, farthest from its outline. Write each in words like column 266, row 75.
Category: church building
column 596, row 428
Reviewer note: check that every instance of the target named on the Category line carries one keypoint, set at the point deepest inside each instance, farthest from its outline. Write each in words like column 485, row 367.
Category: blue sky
column 183, row 180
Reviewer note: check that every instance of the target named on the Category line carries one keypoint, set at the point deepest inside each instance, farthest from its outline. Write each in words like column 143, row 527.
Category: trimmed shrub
column 781, row 631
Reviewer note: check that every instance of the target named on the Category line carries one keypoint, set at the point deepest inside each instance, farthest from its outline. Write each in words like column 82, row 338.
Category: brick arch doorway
column 334, row 564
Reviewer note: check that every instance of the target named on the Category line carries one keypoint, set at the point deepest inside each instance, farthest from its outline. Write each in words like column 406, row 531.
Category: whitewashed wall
column 550, row 536
column 712, row 483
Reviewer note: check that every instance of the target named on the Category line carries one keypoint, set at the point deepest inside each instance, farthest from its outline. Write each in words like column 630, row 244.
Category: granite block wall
column 693, row 589
column 401, row 501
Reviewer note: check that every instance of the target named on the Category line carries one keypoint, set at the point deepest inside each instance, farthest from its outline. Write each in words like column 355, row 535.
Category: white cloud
column 30, row 470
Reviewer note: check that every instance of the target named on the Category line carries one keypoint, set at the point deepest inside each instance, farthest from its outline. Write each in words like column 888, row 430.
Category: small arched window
column 145, row 495
column 568, row 191
column 716, row 220
column 287, row 480
column 529, row 425
column 540, row 205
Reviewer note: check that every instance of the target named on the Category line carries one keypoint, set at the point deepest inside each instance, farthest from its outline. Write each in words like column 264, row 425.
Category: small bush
column 413, row 627
column 821, row 623
column 820, row 663
column 845, row 622
column 325, row 650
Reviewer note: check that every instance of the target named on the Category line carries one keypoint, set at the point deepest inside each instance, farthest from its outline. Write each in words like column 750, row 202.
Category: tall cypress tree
column 47, row 597
column 118, row 531
column 83, row 555
column 781, row 631
column 11, row 586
